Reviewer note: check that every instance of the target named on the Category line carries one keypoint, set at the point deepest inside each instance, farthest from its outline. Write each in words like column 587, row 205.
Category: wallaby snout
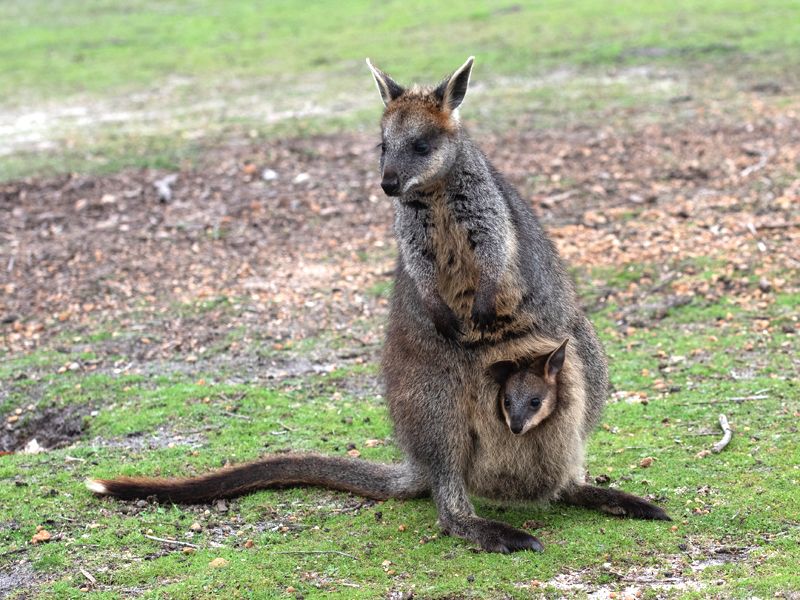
column 391, row 183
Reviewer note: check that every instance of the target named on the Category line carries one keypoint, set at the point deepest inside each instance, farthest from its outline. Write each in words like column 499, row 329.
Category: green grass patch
column 735, row 513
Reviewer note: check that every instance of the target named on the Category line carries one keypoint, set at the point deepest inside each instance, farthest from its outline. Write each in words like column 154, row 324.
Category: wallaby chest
column 457, row 273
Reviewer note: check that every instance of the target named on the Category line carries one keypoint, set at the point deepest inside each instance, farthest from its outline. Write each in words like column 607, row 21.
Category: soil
column 240, row 269
column 51, row 428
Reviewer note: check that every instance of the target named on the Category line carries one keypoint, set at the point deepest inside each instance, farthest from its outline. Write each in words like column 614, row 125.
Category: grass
column 740, row 505
column 99, row 86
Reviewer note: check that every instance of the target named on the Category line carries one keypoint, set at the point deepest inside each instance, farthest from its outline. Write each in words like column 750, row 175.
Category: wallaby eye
column 421, row 147
column 536, row 402
column 382, row 147
column 506, row 402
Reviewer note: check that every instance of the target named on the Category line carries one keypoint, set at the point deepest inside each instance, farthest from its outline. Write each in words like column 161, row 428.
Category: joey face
column 527, row 400
column 528, row 390
column 419, row 131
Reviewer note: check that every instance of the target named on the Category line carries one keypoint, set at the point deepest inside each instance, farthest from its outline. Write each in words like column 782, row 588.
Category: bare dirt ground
column 291, row 239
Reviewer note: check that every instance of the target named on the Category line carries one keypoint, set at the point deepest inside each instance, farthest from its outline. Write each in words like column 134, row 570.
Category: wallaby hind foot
column 613, row 502
column 492, row 536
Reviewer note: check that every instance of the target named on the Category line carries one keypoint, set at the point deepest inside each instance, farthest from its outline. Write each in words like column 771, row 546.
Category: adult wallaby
column 477, row 282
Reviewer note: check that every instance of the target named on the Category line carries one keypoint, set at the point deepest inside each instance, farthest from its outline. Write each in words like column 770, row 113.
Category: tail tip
column 96, row 486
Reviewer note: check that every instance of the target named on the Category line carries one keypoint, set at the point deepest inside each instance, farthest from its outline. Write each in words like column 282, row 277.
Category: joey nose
column 390, row 183
column 516, row 428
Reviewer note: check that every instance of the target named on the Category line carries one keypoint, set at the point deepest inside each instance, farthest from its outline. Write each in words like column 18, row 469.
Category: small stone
column 249, row 544
column 188, row 550
column 218, row 563
column 301, row 178
column 401, row 527
column 354, row 453
column 646, row 462
column 221, row 506
column 269, row 175
column 196, row 526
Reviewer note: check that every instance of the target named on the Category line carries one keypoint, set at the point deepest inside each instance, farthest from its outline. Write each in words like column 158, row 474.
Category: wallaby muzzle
column 390, row 183
column 516, row 425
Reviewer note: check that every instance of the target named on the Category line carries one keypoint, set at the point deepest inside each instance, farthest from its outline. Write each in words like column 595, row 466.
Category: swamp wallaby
column 477, row 282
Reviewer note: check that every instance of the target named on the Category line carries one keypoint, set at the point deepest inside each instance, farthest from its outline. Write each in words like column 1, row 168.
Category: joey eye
column 382, row 147
column 506, row 402
column 536, row 402
column 422, row 147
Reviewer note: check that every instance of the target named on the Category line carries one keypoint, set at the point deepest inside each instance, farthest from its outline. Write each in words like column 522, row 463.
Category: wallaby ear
column 501, row 371
column 555, row 361
column 452, row 90
column 387, row 87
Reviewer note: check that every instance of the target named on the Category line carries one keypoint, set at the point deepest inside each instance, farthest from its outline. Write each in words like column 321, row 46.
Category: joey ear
column 501, row 371
column 452, row 90
column 387, row 87
column 555, row 361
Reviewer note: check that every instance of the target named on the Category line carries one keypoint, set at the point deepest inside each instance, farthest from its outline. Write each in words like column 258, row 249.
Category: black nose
column 516, row 428
column 391, row 183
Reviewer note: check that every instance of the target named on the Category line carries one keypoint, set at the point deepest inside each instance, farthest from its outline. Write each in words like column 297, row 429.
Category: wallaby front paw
column 484, row 314
column 446, row 322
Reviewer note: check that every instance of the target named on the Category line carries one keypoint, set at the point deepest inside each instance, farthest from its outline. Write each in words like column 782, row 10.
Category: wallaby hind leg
column 613, row 502
column 457, row 517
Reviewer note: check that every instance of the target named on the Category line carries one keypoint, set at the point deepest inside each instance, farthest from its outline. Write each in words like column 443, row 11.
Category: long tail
column 361, row 477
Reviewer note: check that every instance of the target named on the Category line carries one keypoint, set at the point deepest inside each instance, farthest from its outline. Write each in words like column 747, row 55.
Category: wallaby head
column 419, row 130
column 528, row 390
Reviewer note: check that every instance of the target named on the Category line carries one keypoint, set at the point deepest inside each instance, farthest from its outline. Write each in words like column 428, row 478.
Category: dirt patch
column 162, row 438
column 19, row 576
column 263, row 246
column 51, row 428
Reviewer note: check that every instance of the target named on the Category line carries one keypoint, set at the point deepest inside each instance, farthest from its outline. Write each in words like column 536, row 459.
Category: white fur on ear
column 388, row 89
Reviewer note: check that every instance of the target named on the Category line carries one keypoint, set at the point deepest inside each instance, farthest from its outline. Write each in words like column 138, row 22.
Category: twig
column 726, row 438
column 14, row 551
column 786, row 225
column 228, row 413
column 166, row 541
column 285, row 426
column 88, row 576
column 762, row 162
column 317, row 552
column 753, row 397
